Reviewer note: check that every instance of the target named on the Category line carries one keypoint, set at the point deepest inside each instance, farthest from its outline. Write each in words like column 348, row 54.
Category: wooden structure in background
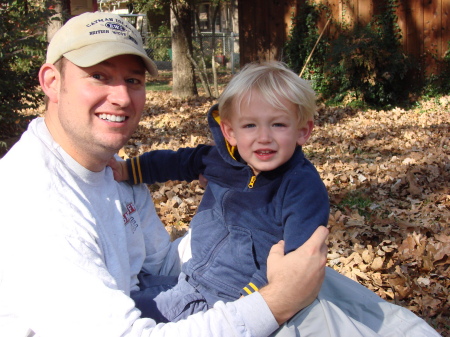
column 425, row 24
column 81, row 6
column 263, row 28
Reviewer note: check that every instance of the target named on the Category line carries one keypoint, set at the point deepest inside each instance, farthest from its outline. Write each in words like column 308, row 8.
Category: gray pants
column 344, row 308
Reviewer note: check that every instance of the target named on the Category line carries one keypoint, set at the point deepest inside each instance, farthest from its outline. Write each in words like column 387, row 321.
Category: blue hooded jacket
column 241, row 216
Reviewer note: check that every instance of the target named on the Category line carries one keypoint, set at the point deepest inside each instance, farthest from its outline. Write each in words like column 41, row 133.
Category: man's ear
column 50, row 79
column 228, row 132
column 305, row 132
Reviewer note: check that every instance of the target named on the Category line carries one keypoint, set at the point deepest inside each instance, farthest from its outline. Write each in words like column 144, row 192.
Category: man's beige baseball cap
column 90, row 38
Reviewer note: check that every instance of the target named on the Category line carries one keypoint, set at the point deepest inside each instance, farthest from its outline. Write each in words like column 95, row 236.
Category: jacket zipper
column 252, row 182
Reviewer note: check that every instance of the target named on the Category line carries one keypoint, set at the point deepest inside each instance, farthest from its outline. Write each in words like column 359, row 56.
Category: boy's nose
column 264, row 135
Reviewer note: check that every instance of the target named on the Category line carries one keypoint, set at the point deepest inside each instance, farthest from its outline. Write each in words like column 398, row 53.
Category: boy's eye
column 248, row 126
column 279, row 125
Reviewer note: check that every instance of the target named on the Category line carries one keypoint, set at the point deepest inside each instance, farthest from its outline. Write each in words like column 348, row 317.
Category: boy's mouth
column 265, row 152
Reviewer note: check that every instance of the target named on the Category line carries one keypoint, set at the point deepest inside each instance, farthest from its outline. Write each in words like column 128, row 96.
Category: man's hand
column 119, row 169
column 295, row 278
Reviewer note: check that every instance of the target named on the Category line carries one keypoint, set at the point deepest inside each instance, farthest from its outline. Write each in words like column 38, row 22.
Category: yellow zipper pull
column 252, row 182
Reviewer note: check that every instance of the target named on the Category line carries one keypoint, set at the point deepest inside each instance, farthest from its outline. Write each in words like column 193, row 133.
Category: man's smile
column 112, row 118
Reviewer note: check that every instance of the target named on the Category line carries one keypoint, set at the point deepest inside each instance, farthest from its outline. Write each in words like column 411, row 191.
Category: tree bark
column 202, row 72
column 213, row 61
column 183, row 71
column 62, row 8
column 235, row 28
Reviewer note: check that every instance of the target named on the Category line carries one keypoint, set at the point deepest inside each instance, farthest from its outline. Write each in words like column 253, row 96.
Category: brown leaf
column 377, row 263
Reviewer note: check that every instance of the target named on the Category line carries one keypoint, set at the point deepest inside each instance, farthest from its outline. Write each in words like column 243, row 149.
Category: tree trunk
column 55, row 21
column 202, row 71
column 183, row 71
column 213, row 61
column 235, row 24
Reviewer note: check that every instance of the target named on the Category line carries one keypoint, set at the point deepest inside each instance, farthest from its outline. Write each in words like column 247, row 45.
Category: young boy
column 261, row 188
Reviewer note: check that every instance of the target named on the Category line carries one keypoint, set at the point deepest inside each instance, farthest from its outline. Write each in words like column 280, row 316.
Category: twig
column 312, row 51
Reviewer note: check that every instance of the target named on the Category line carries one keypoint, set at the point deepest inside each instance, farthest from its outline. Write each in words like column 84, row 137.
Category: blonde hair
column 274, row 81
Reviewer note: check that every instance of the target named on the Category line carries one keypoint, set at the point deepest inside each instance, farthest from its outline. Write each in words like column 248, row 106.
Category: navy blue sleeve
column 306, row 206
column 186, row 164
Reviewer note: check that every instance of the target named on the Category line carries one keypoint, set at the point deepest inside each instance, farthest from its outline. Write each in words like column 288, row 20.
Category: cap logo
column 115, row 26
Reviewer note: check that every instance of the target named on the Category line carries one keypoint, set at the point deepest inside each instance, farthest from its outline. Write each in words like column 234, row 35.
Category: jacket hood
column 227, row 152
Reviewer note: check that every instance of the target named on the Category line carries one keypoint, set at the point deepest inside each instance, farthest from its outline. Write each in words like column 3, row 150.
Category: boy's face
column 266, row 137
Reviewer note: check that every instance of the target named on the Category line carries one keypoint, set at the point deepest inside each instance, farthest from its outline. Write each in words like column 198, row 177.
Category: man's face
column 99, row 107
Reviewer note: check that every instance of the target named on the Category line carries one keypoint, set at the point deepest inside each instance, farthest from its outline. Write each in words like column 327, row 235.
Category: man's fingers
column 276, row 253
column 317, row 239
column 278, row 248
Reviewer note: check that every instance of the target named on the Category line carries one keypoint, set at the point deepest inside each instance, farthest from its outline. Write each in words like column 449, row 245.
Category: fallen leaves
column 388, row 176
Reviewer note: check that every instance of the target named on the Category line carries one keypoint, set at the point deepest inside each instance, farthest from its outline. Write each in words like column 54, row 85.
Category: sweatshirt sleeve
column 186, row 164
column 238, row 319
column 305, row 207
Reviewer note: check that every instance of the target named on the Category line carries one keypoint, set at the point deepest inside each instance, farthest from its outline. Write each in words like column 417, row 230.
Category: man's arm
column 295, row 278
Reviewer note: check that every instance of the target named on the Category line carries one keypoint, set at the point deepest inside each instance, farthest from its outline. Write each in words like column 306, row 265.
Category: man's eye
column 98, row 76
column 133, row 81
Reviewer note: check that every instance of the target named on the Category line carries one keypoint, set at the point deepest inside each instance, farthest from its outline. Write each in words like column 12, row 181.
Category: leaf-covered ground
column 388, row 176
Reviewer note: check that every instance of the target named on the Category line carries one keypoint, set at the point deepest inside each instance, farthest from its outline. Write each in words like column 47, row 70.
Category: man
column 72, row 240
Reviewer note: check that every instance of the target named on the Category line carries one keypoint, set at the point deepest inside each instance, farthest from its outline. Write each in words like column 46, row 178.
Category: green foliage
column 143, row 6
column 160, row 44
column 357, row 201
column 23, row 45
column 445, row 74
column 438, row 85
column 368, row 62
column 302, row 38
column 364, row 63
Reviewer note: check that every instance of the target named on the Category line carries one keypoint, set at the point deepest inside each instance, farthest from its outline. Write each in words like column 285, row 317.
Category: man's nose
column 119, row 95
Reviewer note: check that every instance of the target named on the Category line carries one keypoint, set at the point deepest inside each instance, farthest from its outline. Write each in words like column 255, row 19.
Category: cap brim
column 93, row 54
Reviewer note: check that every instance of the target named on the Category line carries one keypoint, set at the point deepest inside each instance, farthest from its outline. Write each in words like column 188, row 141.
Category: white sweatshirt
column 72, row 242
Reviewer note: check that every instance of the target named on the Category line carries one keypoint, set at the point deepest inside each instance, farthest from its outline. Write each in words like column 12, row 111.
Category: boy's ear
column 228, row 132
column 50, row 78
column 305, row 132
